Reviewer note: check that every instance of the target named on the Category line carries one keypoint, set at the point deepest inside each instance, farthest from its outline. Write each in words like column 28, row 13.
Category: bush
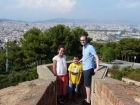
column 116, row 74
column 115, row 66
column 135, row 76
column 17, row 77
column 69, row 58
column 127, row 70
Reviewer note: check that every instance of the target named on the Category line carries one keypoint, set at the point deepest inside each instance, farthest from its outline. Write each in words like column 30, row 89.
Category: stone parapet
column 105, row 91
column 42, row 93
column 109, row 91
column 45, row 72
column 127, row 80
column 35, row 92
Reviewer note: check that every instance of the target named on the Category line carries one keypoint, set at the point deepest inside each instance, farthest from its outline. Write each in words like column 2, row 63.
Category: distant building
column 139, row 27
column 0, row 42
column 134, row 30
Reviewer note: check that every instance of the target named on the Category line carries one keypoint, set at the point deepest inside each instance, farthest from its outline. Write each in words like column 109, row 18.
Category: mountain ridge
column 65, row 20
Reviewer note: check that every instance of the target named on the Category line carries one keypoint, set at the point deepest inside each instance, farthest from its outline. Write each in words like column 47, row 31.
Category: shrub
column 116, row 74
column 16, row 77
column 115, row 66
column 126, row 70
column 135, row 76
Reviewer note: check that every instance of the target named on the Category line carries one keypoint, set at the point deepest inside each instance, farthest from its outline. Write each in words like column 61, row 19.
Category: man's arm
column 80, row 60
column 97, row 63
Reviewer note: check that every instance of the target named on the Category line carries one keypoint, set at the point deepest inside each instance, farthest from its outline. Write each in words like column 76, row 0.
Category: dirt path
column 13, row 94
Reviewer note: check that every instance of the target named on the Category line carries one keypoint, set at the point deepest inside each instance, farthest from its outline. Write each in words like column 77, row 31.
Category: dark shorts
column 73, row 87
column 87, row 77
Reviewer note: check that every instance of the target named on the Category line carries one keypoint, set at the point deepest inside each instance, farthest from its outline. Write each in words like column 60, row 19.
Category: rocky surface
column 13, row 94
column 28, row 93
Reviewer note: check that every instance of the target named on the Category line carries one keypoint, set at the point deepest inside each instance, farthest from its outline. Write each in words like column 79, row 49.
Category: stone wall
column 42, row 92
column 129, row 81
column 109, row 91
column 105, row 91
column 49, row 95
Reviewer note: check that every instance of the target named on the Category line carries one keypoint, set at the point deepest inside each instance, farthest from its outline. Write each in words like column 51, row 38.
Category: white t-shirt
column 61, row 66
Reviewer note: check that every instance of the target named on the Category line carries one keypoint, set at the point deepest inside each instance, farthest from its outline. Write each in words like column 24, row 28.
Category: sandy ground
column 13, row 94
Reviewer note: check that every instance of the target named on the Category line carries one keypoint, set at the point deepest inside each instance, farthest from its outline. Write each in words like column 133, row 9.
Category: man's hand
column 95, row 70
column 97, row 63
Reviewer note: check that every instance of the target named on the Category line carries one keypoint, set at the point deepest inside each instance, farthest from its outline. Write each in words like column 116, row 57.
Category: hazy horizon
column 98, row 10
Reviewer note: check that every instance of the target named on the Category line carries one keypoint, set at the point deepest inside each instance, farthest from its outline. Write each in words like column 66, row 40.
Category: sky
column 37, row 10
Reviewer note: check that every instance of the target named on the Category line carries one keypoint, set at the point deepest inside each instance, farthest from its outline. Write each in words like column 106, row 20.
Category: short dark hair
column 61, row 46
column 83, row 36
column 75, row 56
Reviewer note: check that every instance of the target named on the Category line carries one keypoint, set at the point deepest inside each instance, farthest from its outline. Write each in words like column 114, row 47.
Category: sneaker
column 63, row 100
column 76, row 101
column 69, row 102
column 85, row 103
column 60, row 102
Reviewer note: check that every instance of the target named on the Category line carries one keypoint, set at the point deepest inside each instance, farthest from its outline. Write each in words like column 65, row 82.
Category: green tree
column 15, row 55
column 97, row 46
column 76, row 47
column 57, row 35
column 34, row 46
column 102, row 49
column 2, row 60
column 109, row 55
column 63, row 35
column 129, row 48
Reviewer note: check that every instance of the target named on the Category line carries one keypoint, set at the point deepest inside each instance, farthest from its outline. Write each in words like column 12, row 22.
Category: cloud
column 133, row 5
column 57, row 6
column 129, row 4
column 61, row 5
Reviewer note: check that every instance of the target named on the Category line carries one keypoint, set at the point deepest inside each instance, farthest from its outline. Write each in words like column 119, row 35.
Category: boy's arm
column 79, row 78
column 70, row 77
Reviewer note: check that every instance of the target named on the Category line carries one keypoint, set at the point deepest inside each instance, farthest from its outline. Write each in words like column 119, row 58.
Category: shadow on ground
column 80, row 98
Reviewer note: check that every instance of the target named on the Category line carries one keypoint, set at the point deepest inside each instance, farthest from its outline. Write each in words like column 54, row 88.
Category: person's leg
column 88, row 92
column 65, row 84
column 59, row 99
column 87, row 84
column 59, row 91
column 70, row 90
column 76, row 92
column 64, row 87
column 70, row 95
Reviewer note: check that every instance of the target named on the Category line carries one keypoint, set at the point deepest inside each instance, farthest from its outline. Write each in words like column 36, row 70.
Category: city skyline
column 99, row 10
